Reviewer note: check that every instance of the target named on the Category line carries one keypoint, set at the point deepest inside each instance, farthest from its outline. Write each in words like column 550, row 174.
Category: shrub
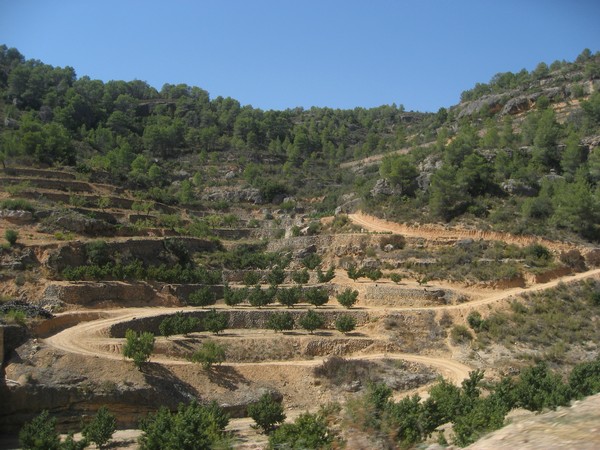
column 40, row 433
column 258, row 297
column 327, row 276
column 584, row 379
column 311, row 261
column 347, row 298
column 215, row 322
column 209, row 353
column 289, row 297
column 16, row 204
column 101, row 428
column 460, row 334
column 539, row 388
column 204, row 296
column 234, row 297
column 251, row 278
column 573, row 259
column 476, row 322
column 97, row 252
column 316, row 296
column 280, row 321
column 311, row 321
column 396, row 277
column 372, row 274
column 138, row 346
column 11, row 236
column 193, row 427
column 345, row 323
column 178, row 323
column 267, row 413
column 276, row 276
column 300, row 276
column 307, row 431
column 396, row 240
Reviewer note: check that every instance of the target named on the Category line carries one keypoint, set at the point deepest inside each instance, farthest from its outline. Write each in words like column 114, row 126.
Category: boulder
column 384, row 187
column 17, row 217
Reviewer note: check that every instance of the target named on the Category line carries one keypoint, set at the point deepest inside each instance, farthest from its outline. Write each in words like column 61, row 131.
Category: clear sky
column 277, row 54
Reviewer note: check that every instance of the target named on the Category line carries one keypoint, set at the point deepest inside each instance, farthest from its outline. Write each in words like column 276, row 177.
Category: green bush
column 289, row 296
column 345, row 323
column 396, row 240
column 193, row 427
column 204, row 296
column 311, row 261
column 460, row 334
column 16, row 204
column 316, row 296
column 300, row 276
column 234, row 297
column 311, row 321
column 138, row 347
column 40, row 433
column 267, row 413
column 327, row 276
column 476, row 321
column 308, row 431
column 101, row 428
column 11, row 236
column 214, row 321
column 209, row 353
column 178, row 323
column 280, row 321
column 347, row 298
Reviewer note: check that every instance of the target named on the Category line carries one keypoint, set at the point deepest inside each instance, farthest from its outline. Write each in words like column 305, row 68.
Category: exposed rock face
column 492, row 102
column 249, row 195
column 18, row 258
column 426, row 170
column 384, row 187
column 515, row 187
column 18, row 217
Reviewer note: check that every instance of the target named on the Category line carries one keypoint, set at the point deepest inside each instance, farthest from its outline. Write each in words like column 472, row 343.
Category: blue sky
column 277, row 54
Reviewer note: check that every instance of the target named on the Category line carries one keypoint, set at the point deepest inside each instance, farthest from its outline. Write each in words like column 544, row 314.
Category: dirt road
column 433, row 231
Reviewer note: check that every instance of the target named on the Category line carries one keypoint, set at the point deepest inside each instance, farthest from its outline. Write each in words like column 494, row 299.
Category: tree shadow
column 226, row 377
column 162, row 379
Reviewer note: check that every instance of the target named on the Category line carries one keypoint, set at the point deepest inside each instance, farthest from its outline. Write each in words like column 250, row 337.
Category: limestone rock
column 16, row 216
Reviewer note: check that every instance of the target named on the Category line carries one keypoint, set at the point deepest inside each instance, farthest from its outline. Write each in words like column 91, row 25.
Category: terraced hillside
column 339, row 261
column 143, row 273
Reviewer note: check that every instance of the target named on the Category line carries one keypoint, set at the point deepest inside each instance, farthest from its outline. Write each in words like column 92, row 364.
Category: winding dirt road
column 91, row 338
column 433, row 231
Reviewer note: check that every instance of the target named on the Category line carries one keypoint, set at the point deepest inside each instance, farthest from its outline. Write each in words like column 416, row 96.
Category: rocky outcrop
column 18, row 217
column 492, row 103
column 516, row 187
column 248, row 195
column 384, row 187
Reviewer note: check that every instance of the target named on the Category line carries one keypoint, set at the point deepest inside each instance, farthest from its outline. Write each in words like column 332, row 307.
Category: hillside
column 343, row 260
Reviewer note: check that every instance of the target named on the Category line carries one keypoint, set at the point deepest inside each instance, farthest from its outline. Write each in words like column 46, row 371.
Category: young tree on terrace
column 311, row 321
column 345, row 324
column 101, row 428
column 316, row 296
column 347, row 298
column 214, row 321
column 138, row 346
column 209, row 353
column 280, row 321
column 267, row 413
column 289, row 297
